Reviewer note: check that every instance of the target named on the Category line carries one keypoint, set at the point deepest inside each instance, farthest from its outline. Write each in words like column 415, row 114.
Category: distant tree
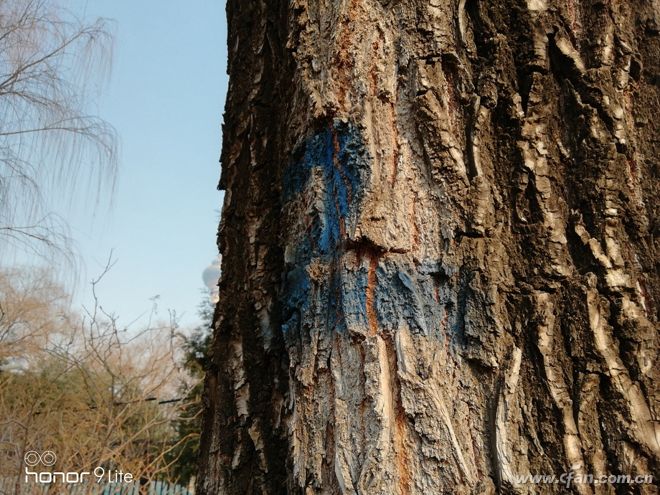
column 32, row 309
column 188, row 425
column 51, row 64
column 82, row 386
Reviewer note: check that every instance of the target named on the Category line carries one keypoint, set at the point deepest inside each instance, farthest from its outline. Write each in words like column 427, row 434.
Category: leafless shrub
column 93, row 392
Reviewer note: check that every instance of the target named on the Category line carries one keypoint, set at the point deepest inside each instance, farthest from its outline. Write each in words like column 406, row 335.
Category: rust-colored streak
column 337, row 164
column 372, row 281
column 344, row 61
column 339, row 313
column 373, row 75
column 403, row 469
column 413, row 223
column 632, row 168
column 454, row 107
column 571, row 13
column 399, row 434
column 342, row 222
column 375, row 91
column 395, row 145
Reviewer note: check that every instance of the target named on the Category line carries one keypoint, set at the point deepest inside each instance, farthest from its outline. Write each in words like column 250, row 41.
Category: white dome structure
column 210, row 276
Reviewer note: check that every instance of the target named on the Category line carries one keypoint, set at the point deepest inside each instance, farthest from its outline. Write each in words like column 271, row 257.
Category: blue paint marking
column 338, row 153
column 354, row 297
column 335, row 317
column 326, row 178
column 334, row 157
column 298, row 290
column 407, row 281
column 399, row 299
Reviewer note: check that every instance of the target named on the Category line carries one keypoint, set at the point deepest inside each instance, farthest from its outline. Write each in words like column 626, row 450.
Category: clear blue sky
column 165, row 98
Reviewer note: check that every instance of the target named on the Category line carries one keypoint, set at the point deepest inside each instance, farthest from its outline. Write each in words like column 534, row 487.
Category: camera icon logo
column 47, row 458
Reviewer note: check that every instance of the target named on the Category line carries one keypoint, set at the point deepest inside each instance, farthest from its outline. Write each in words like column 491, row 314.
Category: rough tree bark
column 439, row 246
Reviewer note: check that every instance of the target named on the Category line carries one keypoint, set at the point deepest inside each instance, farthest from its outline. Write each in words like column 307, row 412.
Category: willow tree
column 439, row 245
column 52, row 66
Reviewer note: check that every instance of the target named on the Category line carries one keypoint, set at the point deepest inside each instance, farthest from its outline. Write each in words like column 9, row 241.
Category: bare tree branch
column 49, row 62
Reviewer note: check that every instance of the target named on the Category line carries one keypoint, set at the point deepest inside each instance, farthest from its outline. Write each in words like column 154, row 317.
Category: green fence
column 9, row 486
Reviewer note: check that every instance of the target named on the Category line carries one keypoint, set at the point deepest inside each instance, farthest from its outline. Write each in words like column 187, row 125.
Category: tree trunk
column 439, row 244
